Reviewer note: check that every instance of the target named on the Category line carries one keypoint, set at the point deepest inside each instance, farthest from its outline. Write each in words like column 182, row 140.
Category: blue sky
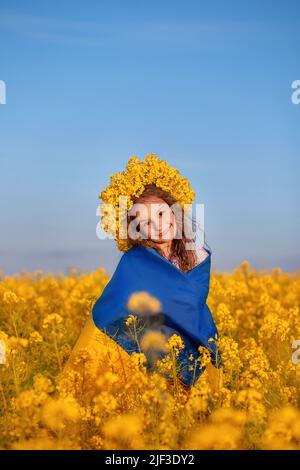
column 205, row 85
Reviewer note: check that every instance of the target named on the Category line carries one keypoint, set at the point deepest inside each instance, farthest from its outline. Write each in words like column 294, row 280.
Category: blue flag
column 182, row 295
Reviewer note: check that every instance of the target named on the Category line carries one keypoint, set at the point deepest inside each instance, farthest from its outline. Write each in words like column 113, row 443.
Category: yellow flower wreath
column 131, row 183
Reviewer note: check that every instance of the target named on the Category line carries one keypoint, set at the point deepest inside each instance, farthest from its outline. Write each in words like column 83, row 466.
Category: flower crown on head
column 131, row 183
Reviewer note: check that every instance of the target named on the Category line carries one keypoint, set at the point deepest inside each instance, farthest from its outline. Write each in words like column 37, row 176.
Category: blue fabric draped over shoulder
column 182, row 295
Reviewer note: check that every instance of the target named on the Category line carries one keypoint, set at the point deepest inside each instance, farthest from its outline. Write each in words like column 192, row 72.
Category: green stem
column 3, row 396
column 194, row 372
column 136, row 337
column 56, row 349
column 4, row 405
column 16, row 380
column 12, row 316
column 174, row 370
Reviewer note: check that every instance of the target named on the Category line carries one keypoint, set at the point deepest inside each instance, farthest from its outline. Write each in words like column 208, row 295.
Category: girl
column 161, row 282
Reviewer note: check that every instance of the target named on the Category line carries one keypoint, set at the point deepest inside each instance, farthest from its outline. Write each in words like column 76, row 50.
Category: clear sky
column 205, row 85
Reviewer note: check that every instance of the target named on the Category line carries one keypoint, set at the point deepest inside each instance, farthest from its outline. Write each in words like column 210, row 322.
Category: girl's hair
column 186, row 258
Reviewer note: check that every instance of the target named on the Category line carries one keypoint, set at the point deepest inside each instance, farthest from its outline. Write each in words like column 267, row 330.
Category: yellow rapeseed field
column 122, row 406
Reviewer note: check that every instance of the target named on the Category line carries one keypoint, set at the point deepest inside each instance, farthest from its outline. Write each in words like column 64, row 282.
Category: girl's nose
column 156, row 225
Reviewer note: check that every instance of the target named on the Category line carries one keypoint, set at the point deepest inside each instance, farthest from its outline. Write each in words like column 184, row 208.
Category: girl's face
column 155, row 220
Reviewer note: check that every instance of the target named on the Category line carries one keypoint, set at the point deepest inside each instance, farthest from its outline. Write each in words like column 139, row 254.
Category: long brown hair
column 186, row 258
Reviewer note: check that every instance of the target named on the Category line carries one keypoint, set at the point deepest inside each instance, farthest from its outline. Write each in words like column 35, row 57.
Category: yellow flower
column 252, row 401
column 138, row 359
column 226, row 322
column 143, row 303
column 130, row 320
column 57, row 413
column 283, row 430
column 52, row 320
column 14, row 342
column 220, row 436
column 175, row 342
column 154, row 340
column 43, row 443
column 204, row 356
column 3, row 337
column 35, row 338
column 10, row 298
column 42, row 384
column 107, row 380
column 124, row 431
column 105, row 403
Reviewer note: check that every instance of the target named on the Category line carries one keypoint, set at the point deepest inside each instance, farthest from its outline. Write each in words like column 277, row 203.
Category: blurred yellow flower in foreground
column 154, row 340
column 143, row 303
